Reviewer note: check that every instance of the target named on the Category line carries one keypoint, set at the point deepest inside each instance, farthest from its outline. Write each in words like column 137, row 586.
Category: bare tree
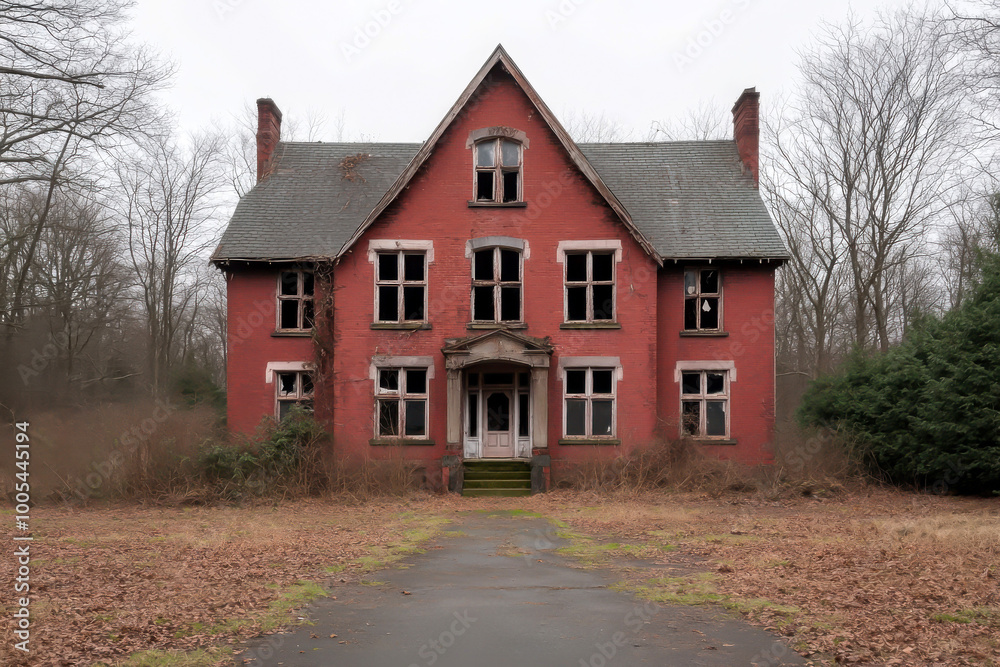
column 169, row 201
column 595, row 128
column 706, row 121
column 875, row 142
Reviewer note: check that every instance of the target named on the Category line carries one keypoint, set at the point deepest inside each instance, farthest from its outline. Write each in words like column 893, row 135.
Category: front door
column 498, row 441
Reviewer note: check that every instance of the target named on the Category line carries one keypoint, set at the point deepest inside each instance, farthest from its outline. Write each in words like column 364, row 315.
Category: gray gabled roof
column 690, row 199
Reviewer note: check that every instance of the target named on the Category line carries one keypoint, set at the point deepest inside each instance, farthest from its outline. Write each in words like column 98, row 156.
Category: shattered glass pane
column 715, row 383
column 308, row 283
column 710, row 313
column 690, row 282
column 388, row 379
column 715, row 417
column 710, row 282
column 691, row 417
column 691, row 383
column 286, row 384
column 691, row 314
column 388, row 417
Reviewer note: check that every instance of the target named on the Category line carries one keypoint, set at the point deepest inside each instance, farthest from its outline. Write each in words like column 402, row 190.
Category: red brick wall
column 748, row 317
column 562, row 206
column 251, row 306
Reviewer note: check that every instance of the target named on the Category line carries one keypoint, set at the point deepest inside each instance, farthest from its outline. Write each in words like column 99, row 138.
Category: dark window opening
column 401, row 402
column 496, row 285
column 523, row 418
column 498, row 378
column 498, row 180
column 474, row 415
column 498, row 412
column 401, row 287
column 295, row 300
column 702, row 300
column 590, row 287
column 590, row 402
column 704, row 404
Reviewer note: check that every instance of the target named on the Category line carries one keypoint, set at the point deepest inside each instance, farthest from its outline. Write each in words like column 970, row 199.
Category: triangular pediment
column 500, row 345
column 500, row 58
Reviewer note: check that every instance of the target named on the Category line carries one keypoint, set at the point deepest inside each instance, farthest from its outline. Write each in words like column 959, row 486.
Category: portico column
column 454, row 406
column 539, row 407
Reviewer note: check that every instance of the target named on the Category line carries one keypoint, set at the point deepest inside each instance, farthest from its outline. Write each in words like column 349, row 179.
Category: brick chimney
column 268, row 135
column 746, row 129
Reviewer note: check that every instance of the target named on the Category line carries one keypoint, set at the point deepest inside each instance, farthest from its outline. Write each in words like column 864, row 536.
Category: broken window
column 705, row 404
column 590, row 286
column 498, row 171
column 293, row 388
column 496, row 285
column 590, row 402
column 295, row 300
column 702, row 300
column 401, row 403
column 401, row 287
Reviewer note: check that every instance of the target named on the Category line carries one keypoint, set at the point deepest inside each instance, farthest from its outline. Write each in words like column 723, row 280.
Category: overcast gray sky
column 396, row 66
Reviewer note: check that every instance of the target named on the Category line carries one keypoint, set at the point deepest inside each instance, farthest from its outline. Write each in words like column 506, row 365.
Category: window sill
column 404, row 326
column 496, row 325
column 590, row 325
column 714, row 441
column 291, row 334
column 497, row 204
column 396, row 442
column 589, row 441
column 704, row 334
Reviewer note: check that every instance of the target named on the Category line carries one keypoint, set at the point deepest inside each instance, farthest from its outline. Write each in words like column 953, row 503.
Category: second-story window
column 590, row 286
column 498, row 171
column 295, row 300
column 702, row 300
column 401, row 286
column 496, row 285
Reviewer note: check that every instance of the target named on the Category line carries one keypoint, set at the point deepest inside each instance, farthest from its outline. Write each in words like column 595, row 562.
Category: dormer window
column 498, row 170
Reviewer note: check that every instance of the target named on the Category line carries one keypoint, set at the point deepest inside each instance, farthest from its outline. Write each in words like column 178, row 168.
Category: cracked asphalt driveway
column 493, row 592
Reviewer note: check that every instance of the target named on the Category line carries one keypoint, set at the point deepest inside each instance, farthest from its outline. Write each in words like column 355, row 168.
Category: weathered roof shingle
column 690, row 199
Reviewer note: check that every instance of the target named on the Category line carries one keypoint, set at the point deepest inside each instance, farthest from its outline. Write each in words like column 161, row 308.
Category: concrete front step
column 497, row 483
column 492, row 477
column 509, row 493
column 503, row 474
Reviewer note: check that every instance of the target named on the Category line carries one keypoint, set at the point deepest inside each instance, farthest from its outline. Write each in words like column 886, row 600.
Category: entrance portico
column 497, row 394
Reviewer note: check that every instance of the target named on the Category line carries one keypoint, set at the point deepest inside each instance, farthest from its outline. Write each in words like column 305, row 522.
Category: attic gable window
column 295, row 300
column 498, row 171
column 702, row 300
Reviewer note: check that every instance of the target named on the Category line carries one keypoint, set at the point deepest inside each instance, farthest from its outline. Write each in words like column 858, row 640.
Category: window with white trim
column 401, row 405
column 293, row 388
column 498, row 170
column 590, row 286
column 496, row 285
column 702, row 300
column 295, row 300
column 401, row 286
column 705, row 403
column 589, row 403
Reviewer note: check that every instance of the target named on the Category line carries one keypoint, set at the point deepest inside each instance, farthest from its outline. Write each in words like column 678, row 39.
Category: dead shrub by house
column 369, row 478
column 115, row 450
column 822, row 465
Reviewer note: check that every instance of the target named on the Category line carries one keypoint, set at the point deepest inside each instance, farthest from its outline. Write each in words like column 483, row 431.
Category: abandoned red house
column 503, row 292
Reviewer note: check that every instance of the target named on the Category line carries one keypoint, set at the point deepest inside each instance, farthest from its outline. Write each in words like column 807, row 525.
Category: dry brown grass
column 130, row 450
column 876, row 577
